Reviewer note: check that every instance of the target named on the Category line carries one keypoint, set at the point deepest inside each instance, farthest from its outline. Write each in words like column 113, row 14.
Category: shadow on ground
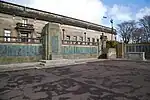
column 107, row 80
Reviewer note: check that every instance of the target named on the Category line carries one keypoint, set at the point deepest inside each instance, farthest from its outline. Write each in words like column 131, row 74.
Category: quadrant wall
column 77, row 51
column 16, row 52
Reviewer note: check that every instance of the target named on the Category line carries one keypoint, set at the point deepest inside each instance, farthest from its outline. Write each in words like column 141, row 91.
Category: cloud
column 142, row 12
column 120, row 13
column 22, row 2
column 88, row 10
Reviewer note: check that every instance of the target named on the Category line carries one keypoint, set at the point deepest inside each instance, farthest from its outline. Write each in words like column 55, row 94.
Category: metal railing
column 70, row 42
column 137, row 47
column 24, row 26
column 8, row 39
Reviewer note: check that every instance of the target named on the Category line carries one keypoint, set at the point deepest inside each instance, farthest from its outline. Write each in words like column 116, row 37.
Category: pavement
column 98, row 80
column 45, row 64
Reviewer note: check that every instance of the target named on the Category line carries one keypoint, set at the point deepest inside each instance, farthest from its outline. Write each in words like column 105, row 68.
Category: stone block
column 111, row 53
column 135, row 55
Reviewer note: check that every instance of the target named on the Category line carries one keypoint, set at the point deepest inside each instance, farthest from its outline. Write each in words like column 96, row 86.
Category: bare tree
column 137, row 35
column 126, row 29
column 145, row 23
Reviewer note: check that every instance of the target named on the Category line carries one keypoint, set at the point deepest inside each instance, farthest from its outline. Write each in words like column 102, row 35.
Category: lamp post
column 112, row 22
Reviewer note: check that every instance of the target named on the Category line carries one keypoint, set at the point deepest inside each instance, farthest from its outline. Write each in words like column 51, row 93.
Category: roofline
column 19, row 10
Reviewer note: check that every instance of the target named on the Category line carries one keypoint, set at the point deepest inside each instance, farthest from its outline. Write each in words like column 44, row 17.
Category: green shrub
column 111, row 44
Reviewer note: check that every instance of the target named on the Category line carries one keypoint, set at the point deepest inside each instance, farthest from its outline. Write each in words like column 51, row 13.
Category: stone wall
column 26, row 52
column 135, row 55
column 19, row 52
column 77, row 51
column 121, row 49
column 55, row 49
column 138, row 48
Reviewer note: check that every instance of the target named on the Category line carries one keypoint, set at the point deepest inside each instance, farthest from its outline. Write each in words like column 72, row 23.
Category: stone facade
column 8, row 22
column 60, row 36
column 79, row 32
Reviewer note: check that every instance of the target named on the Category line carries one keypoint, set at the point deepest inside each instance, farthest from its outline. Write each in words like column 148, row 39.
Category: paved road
column 107, row 80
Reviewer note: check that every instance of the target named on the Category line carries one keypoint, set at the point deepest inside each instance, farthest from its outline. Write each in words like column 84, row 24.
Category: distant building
column 24, row 25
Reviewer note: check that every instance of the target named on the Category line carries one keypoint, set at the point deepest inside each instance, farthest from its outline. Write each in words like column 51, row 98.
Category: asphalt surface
column 105, row 80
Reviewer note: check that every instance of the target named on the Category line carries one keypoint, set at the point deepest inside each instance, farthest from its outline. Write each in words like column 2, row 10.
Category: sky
column 93, row 10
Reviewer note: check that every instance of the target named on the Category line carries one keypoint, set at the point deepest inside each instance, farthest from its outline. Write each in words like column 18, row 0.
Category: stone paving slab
column 45, row 64
column 100, row 80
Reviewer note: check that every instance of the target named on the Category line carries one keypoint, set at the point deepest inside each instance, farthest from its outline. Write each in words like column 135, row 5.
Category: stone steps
column 56, row 62
column 61, row 62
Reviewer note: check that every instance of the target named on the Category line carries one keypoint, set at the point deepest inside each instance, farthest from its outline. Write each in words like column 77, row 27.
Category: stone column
column 103, row 40
column 112, row 37
column 49, row 49
column 125, row 49
column 52, row 41
column 45, row 42
column 99, row 48
column 19, row 36
column 103, row 46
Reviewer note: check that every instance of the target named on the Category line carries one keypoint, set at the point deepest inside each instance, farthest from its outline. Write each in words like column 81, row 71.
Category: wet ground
column 105, row 80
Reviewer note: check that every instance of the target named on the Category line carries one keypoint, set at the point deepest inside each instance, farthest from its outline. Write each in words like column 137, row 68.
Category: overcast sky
column 93, row 10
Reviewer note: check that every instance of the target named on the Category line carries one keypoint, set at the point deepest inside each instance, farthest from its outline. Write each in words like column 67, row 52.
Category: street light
column 111, row 21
